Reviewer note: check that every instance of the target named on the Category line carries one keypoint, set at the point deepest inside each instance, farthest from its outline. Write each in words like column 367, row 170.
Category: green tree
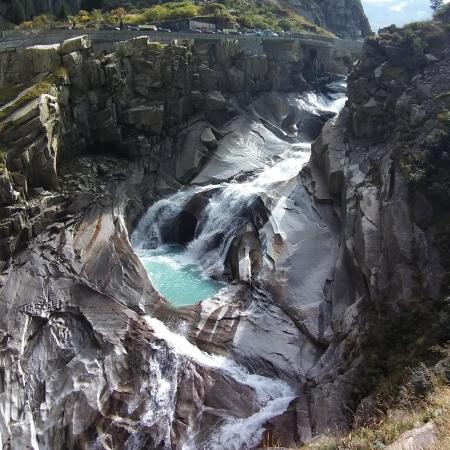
column 444, row 13
column 66, row 11
column 18, row 12
column 436, row 4
column 91, row 4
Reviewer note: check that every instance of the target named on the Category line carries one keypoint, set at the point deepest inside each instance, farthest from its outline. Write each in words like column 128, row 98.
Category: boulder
column 431, row 58
column 208, row 78
column 43, row 58
column 208, row 138
column 215, row 101
column 150, row 117
column 417, row 115
column 73, row 63
column 420, row 438
column 133, row 46
column 75, row 44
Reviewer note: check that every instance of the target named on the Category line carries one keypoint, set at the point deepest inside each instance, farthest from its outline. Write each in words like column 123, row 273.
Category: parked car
column 106, row 26
column 132, row 28
column 146, row 27
column 164, row 30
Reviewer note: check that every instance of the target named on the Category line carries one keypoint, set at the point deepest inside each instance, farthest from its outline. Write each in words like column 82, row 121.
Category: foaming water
column 244, row 434
column 183, row 275
column 273, row 396
column 316, row 102
column 229, row 207
column 266, row 389
column 224, row 213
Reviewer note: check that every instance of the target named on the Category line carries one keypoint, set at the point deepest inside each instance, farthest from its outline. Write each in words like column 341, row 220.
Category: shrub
column 7, row 93
column 285, row 24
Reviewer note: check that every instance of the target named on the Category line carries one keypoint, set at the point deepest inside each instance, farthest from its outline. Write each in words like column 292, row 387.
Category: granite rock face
column 360, row 165
column 81, row 366
column 345, row 18
column 89, row 355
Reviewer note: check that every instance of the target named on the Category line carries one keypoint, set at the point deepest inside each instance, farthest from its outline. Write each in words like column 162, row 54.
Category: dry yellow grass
column 397, row 420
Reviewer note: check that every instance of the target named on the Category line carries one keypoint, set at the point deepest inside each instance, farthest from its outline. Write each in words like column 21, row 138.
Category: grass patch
column 3, row 154
column 404, row 413
column 59, row 76
column 34, row 92
column 7, row 93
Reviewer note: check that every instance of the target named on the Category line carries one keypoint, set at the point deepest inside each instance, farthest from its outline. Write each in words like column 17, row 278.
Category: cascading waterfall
column 272, row 396
column 225, row 212
column 183, row 274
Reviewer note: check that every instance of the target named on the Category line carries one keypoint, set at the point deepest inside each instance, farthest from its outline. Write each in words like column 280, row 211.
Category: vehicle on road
column 147, row 27
column 106, row 26
column 269, row 33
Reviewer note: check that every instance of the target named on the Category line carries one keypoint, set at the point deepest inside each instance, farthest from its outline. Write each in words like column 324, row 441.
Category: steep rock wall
column 393, row 308
column 80, row 367
column 345, row 18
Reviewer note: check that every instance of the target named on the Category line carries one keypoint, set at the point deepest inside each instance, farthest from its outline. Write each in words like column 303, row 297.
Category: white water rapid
column 224, row 209
column 273, row 396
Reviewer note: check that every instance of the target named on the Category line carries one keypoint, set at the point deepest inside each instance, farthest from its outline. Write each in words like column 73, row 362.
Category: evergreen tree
column 66, row 11
column 436, row 4
column 89, row 5
column 18, row 12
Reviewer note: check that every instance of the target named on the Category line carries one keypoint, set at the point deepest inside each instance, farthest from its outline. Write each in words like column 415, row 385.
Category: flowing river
column 191, row 268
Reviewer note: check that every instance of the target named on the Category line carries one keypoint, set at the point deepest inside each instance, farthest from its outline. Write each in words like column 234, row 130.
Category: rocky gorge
column 110, row 157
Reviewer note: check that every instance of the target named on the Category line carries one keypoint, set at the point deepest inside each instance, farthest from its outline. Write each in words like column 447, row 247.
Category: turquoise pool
column 178, row 279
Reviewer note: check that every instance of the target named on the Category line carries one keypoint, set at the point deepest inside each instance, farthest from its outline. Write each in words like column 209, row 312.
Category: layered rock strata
column 80, row 367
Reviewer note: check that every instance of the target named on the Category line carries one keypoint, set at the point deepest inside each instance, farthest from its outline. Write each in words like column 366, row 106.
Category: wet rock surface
column 87, row 358
column 86, row 151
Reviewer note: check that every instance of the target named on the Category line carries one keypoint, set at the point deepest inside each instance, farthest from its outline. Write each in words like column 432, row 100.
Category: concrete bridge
column 11, row 40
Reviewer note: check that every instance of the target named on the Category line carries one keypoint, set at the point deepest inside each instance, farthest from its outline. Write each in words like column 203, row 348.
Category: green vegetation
column 429, row 172
column 424, row 396
column 9, row 92
column 34, row 92
column 18, row 11
column 42, row 21
column 423, row 35
column 3, row 154
column 227, row 13
column 443, row 14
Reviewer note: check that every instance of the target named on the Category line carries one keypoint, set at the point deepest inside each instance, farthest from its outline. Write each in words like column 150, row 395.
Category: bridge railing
column 16, row 39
